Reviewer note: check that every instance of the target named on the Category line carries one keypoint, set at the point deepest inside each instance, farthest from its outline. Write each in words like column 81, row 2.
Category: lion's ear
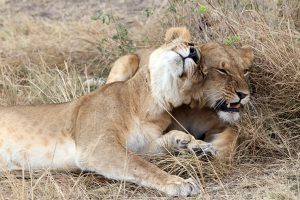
column 178, row 32
column 247, row 54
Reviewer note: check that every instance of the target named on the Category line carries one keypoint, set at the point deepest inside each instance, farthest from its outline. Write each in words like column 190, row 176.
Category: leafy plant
column 126, row 45
column 230, row 40
column 174, row 3
column 202, row 9
column 106, row 18
column 149, row 12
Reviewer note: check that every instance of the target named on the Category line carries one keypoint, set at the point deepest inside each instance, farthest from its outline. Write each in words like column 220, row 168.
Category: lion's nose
column 194, row 54
column 241, row 95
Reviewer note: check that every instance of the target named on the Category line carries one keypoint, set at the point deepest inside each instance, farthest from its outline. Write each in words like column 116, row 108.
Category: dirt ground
column 128, row 12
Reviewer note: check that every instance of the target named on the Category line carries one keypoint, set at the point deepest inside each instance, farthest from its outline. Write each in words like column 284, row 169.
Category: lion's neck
column 150, row 104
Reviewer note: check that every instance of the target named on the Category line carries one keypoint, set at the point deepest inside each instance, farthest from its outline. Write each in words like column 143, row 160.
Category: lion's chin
column 229, row 117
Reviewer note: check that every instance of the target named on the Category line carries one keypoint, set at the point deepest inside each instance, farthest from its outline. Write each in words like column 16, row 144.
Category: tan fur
column 176, row 32
column 122, row 73
column 104, row 130
column 201, row 121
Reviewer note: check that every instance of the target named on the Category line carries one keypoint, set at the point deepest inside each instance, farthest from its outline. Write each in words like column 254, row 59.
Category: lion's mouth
column 228, row 107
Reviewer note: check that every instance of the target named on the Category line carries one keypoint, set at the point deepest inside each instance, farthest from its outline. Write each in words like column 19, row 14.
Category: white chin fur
column 230, row 117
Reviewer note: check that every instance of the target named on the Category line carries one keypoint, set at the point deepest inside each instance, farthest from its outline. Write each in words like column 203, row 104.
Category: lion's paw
column 185, row 141
column 177, row 186
column 182, row 140
column 202, row 148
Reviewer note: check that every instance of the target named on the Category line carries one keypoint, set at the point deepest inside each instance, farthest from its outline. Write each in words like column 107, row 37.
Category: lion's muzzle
column 194, row 54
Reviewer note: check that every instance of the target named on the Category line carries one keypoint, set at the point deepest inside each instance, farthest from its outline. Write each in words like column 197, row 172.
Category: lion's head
column 174, row 69
column 225, row 84
column 222, row 73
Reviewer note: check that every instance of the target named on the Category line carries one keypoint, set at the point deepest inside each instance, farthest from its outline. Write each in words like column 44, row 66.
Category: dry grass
column 47, row 61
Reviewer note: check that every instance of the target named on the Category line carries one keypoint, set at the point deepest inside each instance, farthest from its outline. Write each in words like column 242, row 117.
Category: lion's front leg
column 116, row 162
column 224, row 142
column 177, row 141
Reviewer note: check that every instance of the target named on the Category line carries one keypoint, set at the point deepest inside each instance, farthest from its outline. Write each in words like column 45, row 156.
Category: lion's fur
column 101, row 131
column 200, row 120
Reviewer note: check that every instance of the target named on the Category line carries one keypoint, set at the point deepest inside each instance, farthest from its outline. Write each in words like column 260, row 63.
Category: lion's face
column 225, row 83
column 175, row 72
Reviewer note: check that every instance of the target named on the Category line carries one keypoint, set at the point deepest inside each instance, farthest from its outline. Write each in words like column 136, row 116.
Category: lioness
column 103, row 131
column 225, row 89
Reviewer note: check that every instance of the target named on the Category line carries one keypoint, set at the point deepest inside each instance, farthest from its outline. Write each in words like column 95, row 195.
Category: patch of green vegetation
column 149, row 12
column 252, row 6
column 173, row 4
column 202, row 9
column 106, row 18
column 232, row 39
column 126, row 44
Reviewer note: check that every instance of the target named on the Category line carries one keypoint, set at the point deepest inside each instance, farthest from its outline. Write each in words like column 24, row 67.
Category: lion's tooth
column 228, row 105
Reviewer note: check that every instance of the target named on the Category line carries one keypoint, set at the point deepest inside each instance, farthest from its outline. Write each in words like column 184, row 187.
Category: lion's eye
column 222, row 71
